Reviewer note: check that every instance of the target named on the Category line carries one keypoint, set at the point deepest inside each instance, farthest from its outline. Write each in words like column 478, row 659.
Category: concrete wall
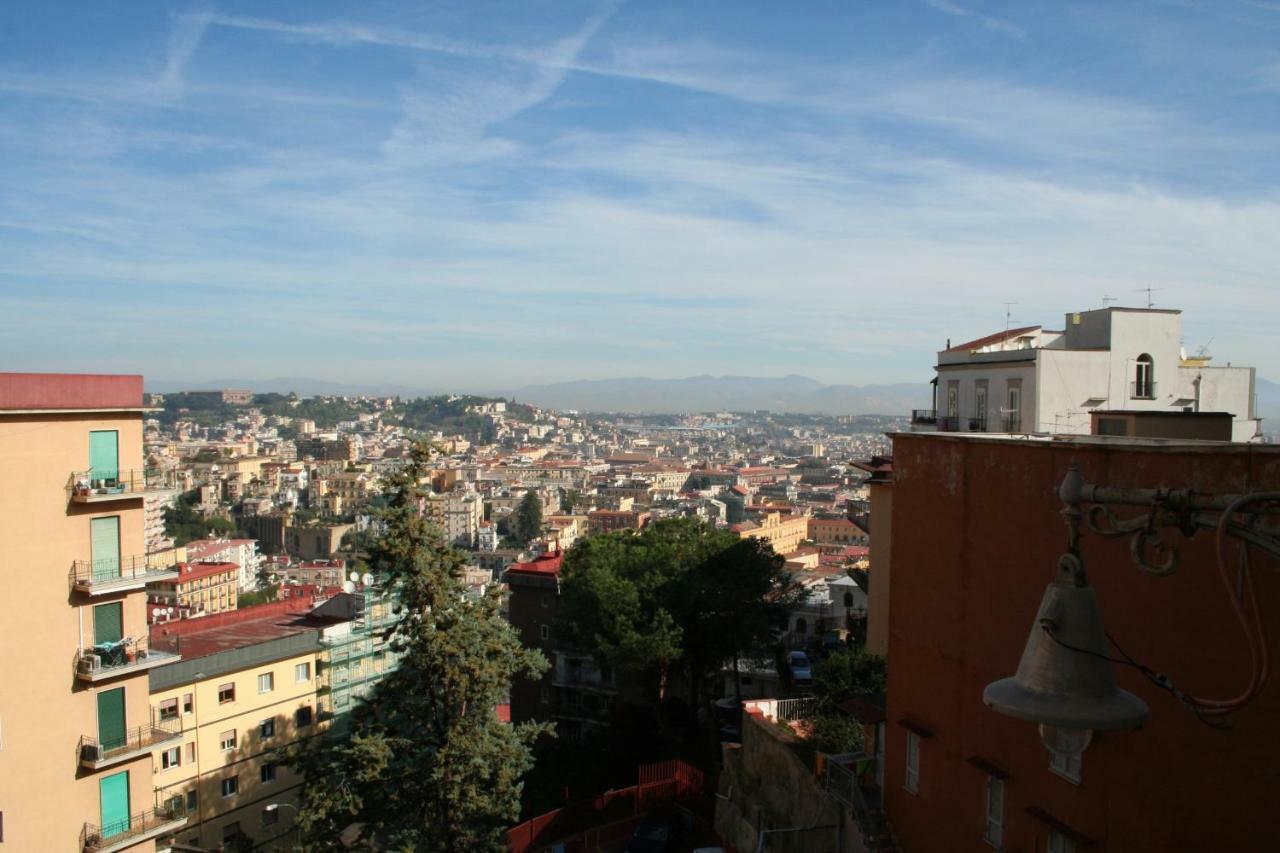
column 976, row 536
column 46, row 798
column 1065, row 381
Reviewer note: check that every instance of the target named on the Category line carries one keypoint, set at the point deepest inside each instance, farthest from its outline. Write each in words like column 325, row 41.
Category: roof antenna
column 1007, row 315
column 1107, row 299
column 1149, row 290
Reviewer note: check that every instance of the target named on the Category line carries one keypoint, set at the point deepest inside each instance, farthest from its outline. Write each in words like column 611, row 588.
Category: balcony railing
column 121, row 834
column 947, row 423
column 98, row 577
column 923, row 416
column 1142, row 390
column 1012, row 422
column 122, row 657
column 92, row 486
column 96, row 754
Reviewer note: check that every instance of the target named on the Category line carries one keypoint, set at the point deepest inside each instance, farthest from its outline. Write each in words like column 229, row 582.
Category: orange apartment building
column 76, row 729
column 783, row 530
column 976, row 534
column 199, row 588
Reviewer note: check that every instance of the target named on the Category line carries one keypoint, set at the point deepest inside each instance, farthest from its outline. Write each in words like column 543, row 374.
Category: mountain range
column 792, row 393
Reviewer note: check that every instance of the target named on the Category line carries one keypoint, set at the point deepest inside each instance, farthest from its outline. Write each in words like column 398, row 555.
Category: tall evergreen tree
column 424, row 763
column 529, row 517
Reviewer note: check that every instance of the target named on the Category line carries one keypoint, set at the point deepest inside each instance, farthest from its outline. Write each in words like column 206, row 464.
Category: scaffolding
column 355, row 655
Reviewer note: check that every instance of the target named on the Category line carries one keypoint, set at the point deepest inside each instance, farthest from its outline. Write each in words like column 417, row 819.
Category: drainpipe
column 1196, row 383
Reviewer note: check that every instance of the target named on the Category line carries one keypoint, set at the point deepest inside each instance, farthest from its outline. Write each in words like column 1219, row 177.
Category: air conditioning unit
column 90, row 663
column 90, row 752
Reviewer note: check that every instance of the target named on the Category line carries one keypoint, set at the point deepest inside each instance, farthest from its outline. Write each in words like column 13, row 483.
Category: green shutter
column 104, row 454
column 111, row 718
column 114, row 793
column 108, row 623
column 104, row 547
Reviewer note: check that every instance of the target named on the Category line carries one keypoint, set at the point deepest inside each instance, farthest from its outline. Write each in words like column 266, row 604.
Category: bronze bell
column 1068, row 682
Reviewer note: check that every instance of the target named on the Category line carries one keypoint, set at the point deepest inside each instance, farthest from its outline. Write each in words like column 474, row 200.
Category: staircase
column 843, row 786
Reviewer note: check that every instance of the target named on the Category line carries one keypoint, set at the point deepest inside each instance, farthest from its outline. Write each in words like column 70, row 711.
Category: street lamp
column 1065, row 680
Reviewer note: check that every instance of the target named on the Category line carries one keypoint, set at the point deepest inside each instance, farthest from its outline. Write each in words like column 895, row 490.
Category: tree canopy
column 678, row 598
column 423, row 763
column 850, row 672
column 527, row 523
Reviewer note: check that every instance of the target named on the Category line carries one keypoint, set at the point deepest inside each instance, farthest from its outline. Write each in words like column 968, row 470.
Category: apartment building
column 198, row 588
column 243, row 552
column 75, row 721
column 246, row 686
column 1035, row 380
column 976, row 533
column 783, row 530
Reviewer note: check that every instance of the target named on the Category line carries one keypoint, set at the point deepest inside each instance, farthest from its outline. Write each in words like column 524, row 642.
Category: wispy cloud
column 184, row 38
column 995, row 25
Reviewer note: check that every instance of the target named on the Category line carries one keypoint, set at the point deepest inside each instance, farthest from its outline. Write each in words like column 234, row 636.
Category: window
column 1013, row 407
column 169, row 709
column 230, row 786
column 302, row 672
column 545, row 631
column 995, row 812
column 267, row 728
column 1068, row 765
column 188, row 703
column 228, row 740
column 171, row 758
column 191, row 752
column 848, row 599
column 270, row 816
column 303, row 716
column 1059, row 843
column 953, row 399
column 980, row 406
column 231, row 831
column 913, row 762
column 1144, row 384
column 226, row 693
column 192, row 800
column 266, row 682
column 268, row 773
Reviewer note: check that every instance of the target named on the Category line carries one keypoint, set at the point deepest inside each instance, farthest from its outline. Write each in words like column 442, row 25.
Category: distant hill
column 798, row 394
column 283, row 385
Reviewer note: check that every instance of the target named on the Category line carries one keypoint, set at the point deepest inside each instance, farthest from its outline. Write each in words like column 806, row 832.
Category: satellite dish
column 348, row 586
column 355, row 576
column 367, row 580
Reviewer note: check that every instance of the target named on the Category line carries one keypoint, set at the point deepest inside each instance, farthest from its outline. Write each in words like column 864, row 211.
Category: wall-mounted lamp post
column 1065, row 681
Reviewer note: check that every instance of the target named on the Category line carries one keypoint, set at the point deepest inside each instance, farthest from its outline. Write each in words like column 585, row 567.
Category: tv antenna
column 1107, row 299
column 1149, row 290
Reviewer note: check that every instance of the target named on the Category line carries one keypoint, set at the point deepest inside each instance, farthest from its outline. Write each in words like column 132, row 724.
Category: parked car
column 659, row 831
column 832, row 642
column 801, row 669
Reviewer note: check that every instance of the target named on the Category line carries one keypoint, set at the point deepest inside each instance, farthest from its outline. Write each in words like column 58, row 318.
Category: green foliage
column 258, row 596
column 850, row 672
column 569, row 499
column 425, row 764
column 183, row 522
column 527, row 523
column 677, row 597
column 836, row 733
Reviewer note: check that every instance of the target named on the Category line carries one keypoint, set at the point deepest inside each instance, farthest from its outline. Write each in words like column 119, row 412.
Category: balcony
column 102, row 577
column 93, row 487
column 1142, row 390
column 135, row 829
column 95, row 754
column 124, row 657
column 1011, row 422
column 923, row 417
column 947, row 423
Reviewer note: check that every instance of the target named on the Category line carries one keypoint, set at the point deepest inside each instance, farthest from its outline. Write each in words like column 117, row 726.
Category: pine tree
column 424, row 763
column 529, row 517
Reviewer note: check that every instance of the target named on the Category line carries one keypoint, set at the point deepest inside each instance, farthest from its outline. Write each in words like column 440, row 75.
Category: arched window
column 1144, row 382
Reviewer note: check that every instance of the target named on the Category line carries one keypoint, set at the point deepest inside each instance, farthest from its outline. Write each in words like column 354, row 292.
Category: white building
column 1032, row 379
column 242, row 552
column 462, row 516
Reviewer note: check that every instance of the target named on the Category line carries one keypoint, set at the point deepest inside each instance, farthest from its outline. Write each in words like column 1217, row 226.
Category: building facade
column 1035, row 380
column 976, row 534
column 76, row 723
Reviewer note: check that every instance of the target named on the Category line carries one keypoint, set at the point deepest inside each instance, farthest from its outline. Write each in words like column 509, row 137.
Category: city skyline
column 497, row 196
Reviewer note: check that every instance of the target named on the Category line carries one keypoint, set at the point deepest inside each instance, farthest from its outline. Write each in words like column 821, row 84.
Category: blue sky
column 483, row 195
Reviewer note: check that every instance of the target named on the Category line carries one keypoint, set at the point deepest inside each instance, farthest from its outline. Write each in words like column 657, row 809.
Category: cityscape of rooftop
column 621, row 427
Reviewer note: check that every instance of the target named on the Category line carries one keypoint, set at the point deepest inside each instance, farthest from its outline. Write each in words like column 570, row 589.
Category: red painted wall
column 975, row 538
column 69, row 391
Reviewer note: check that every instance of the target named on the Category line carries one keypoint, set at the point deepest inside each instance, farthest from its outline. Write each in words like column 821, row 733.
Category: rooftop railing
column 115, row 573
column 94, row 485
column 923, row 416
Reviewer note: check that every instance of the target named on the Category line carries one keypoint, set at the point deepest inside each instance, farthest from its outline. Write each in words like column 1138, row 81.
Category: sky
column 474, row 196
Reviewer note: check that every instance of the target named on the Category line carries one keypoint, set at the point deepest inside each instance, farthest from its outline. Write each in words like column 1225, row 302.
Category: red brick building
column 976, row 534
